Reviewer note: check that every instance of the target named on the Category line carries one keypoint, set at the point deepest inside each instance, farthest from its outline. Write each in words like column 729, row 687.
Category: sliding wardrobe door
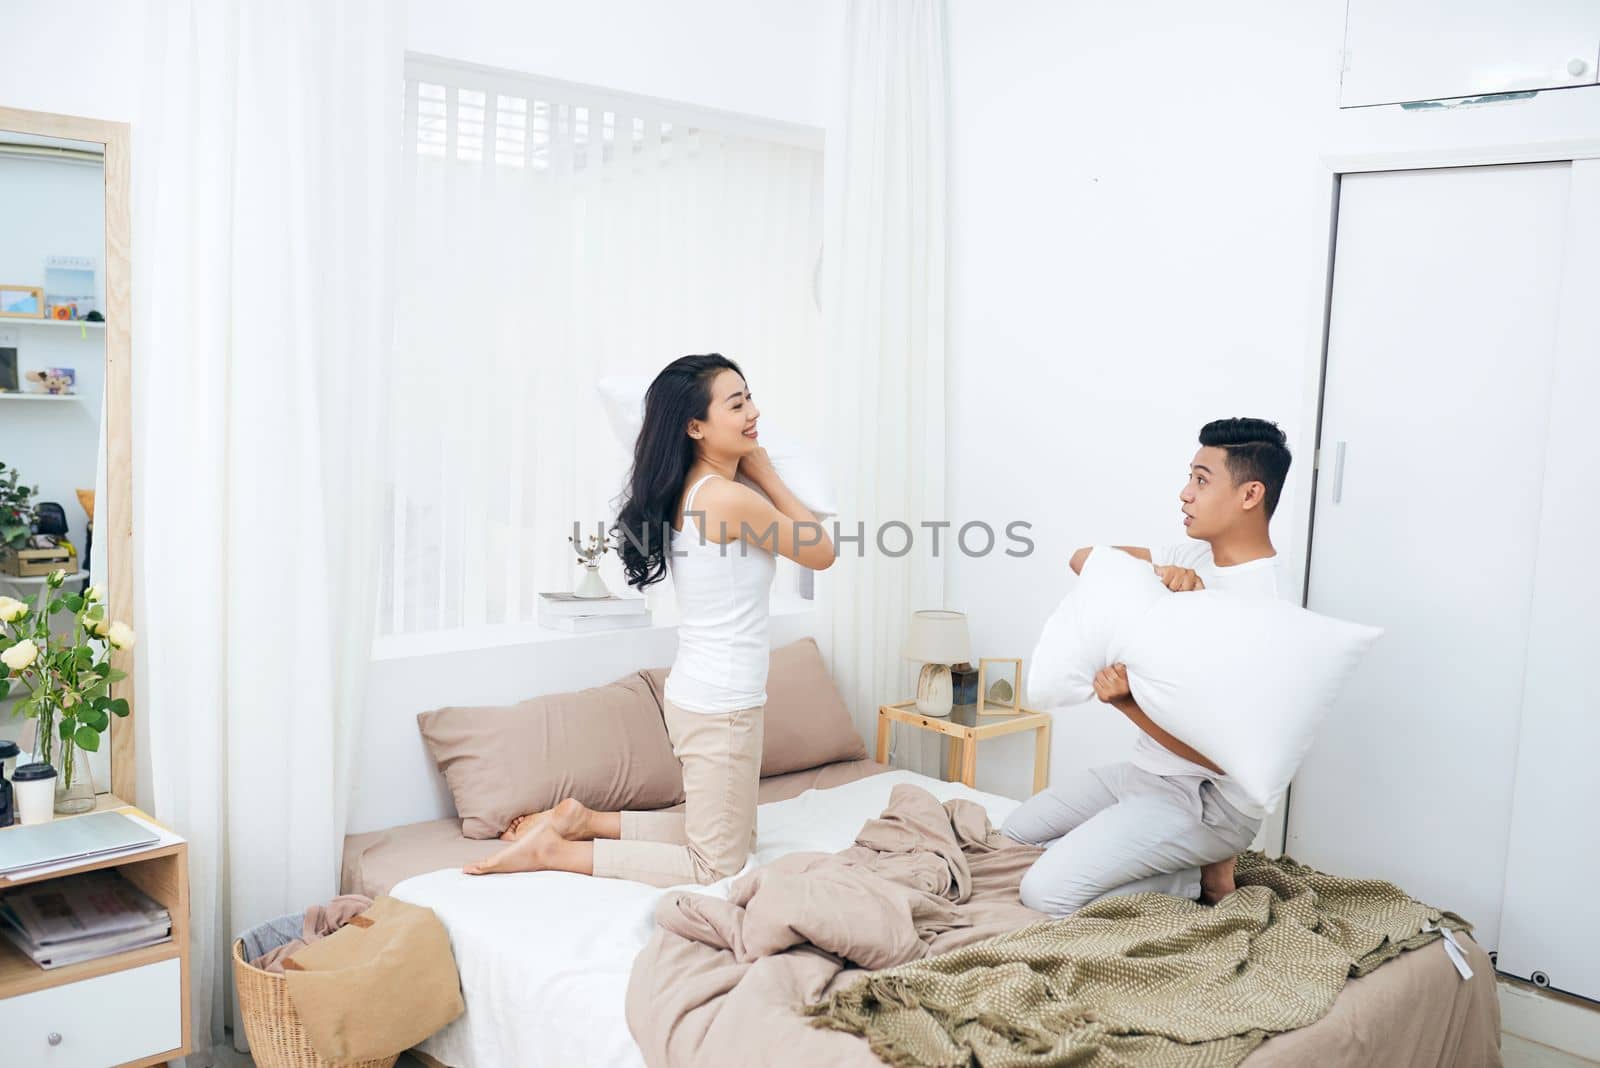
column 1428, row 511
column 1550, row 928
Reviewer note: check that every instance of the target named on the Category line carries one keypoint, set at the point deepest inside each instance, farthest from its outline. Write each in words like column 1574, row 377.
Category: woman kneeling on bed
column 699, row 431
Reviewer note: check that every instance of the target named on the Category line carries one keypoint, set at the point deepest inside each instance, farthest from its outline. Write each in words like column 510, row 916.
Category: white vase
column 591, row 585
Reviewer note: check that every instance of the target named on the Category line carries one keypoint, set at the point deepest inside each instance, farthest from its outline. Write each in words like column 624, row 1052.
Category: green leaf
column 74, row 603
column 116, row 676
column 96, row 718
column 5, row 688
column 64, row 728
column 102, row 669
column 119, row 706
column 55, row 605
column 88, row 739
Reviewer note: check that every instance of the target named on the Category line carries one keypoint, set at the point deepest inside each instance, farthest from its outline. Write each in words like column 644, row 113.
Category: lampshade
column 937, row 637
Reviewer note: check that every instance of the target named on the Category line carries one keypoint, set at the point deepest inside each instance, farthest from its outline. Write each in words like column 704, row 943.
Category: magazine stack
column 81, row 917
column 583, row 615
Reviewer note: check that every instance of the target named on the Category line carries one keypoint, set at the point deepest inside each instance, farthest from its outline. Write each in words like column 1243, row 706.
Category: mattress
column 544, row 958
column 377, row 860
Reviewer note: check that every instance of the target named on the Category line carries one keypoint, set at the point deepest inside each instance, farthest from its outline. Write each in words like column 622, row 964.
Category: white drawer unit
column 93, row 1023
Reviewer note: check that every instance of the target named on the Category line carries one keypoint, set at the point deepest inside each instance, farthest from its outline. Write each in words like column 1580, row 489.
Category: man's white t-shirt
column 1255, row 577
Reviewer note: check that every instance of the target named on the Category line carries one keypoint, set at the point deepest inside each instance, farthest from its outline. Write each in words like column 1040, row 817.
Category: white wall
column 74, row 57
column 1138, row 225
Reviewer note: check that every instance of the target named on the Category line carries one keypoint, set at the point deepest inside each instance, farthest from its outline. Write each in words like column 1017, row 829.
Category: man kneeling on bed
column 1168, row 820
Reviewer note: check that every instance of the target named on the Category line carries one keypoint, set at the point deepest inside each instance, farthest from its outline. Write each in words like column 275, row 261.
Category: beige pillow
column 606, row 746
column 806, row 723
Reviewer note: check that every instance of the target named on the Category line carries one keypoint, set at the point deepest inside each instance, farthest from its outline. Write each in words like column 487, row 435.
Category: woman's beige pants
column 716, row 831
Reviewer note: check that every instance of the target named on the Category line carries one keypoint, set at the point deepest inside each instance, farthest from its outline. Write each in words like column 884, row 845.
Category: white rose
column 96, row 594
column 20, row 656
column 97, row 627
column 12, row 609
column 68, row 699
column 121, row 635
column 56, row 577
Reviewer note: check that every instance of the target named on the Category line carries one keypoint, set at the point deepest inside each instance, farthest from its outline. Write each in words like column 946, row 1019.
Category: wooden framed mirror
column 65, row 398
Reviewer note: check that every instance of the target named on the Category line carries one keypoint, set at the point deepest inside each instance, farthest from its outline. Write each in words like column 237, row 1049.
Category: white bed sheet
column 544, row 957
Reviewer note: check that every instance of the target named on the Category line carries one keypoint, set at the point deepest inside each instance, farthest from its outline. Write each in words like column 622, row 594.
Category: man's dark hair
column 1257, row 452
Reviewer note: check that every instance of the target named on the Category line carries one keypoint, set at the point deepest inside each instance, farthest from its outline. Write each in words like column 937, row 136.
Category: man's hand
column 1111, row 684
column 1179, row 579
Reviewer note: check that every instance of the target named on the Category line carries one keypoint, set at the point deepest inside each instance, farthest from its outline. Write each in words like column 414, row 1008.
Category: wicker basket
column 277, row 1039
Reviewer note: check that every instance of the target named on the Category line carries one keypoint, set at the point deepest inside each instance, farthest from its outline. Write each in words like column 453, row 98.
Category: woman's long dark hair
column 662, row 456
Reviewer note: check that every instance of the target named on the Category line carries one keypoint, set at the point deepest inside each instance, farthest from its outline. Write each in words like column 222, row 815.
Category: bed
column 545, row 958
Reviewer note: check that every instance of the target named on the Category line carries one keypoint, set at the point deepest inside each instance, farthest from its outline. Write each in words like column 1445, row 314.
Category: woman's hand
column 1111, row 684
column 756, row 465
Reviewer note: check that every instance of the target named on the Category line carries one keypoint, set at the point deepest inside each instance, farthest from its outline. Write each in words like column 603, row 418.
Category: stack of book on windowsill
column 583, row 615
column 81, row 917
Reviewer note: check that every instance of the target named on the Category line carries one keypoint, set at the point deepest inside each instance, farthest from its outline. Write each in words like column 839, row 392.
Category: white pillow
column 800, row 468
column 1245, row 680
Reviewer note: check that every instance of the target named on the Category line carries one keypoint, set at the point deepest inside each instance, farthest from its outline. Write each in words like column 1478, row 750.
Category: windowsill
column 468, row 639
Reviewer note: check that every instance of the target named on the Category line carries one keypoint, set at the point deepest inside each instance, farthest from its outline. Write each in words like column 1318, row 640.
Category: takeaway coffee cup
column 34, row 787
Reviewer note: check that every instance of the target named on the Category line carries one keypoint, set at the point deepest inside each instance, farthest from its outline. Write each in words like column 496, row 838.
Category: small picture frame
column 999, row 686
column 21, row 302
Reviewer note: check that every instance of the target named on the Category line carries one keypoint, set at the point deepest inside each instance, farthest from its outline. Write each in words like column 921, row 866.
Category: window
column 554, row 234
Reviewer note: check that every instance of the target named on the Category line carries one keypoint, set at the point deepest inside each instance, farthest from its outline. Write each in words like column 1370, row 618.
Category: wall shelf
column 40, row 396
column 59, row 324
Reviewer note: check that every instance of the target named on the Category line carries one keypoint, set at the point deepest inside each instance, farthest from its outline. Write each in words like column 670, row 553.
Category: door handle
column 1338, row 472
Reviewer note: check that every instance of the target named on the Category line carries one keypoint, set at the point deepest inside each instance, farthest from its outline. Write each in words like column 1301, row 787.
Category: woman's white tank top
column 723, row 602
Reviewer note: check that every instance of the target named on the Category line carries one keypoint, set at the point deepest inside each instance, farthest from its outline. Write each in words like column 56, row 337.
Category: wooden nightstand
column 965, row 729
column 129, row 1009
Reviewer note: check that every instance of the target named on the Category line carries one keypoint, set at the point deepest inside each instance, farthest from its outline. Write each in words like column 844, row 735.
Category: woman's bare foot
column 1216, row 881
column 531, row 852
column 522, row 825
column 570, row 819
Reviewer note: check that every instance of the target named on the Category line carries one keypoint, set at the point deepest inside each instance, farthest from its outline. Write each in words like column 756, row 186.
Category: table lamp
column 938, row 638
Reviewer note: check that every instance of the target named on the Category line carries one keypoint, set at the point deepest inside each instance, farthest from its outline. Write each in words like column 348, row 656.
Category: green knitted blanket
column 1145, row 979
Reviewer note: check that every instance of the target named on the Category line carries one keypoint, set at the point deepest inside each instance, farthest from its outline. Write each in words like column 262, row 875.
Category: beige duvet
column 726, row 982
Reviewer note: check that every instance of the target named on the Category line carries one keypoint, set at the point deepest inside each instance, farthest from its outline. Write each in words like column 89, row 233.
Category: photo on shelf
column 70, row 289
column 22, row 302
column 9, row 383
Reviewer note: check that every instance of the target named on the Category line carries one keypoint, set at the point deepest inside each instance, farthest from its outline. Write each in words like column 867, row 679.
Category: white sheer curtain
column 556, row 234
column 884, row 306
column 263, row 156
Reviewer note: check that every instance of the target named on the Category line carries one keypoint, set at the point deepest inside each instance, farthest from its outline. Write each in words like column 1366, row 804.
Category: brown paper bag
column 378, row 985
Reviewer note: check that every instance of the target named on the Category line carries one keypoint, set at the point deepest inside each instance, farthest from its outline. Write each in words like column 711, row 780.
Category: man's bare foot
column 1216, row 881
column 570, row 818
column 531, row 852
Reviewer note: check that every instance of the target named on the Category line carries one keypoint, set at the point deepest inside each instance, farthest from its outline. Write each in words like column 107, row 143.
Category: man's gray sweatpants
column 1121, row 830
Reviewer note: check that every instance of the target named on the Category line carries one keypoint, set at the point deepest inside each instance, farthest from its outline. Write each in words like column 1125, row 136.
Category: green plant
column 68, row 675
column 16, row 509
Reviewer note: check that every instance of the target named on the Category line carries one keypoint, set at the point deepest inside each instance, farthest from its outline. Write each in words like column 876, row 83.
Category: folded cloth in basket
column 377, row 986
column 267, row 946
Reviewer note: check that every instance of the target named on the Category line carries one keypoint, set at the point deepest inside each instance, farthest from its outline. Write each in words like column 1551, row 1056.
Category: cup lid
column 8, row 749
column 33, row 772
